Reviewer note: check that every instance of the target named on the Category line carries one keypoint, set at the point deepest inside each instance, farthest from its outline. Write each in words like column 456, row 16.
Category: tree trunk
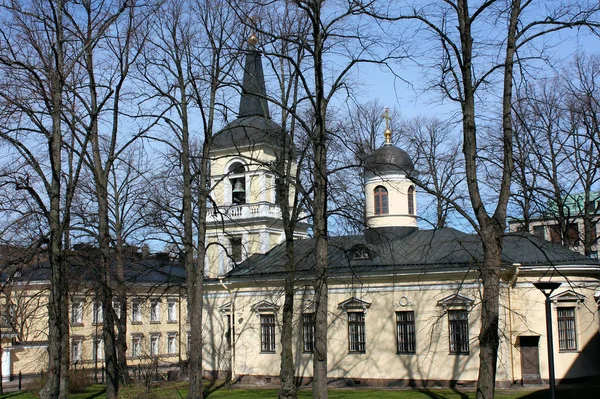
column 490, row 307
column 58, row 325
column 288, row 389
column 320, row 285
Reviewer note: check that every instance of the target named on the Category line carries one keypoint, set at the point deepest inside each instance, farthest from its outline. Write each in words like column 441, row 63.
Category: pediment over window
column 568, row 296
column 265, row 307
column 354, row 303
column 456, row 301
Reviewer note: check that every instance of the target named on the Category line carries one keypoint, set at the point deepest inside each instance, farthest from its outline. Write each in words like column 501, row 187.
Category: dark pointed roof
column 254, row 94
column 253, row 125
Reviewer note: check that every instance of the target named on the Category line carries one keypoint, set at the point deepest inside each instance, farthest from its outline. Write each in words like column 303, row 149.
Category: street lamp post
column 547, row 289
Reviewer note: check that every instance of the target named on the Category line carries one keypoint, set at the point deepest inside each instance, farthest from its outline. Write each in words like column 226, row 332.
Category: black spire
column 253, row 101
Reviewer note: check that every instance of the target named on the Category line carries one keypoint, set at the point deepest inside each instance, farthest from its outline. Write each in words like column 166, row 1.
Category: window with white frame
column 77, row 311
column 136, row 312
column 136, row 345
column 229, row 332
column 76, row 343
column 458, row 323
column 97, row 316
column 267, row 333
column 308, row 332
column 172, row 311
column 117, row 308
column 405, row 332
column 98, row 350
column 155, row 311
column 356, row 332
column 567, row 332
column 154, row 341
column 172, row 343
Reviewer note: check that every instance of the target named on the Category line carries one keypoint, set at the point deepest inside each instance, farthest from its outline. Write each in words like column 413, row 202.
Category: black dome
column 388, row 159
column 247, row 132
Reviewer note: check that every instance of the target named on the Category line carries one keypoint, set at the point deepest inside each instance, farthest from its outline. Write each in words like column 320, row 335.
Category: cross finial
column 388, row 131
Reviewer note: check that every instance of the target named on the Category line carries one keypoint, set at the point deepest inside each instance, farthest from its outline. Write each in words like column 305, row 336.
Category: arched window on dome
column 381, row 200
column 238, row 183
column 411, row 200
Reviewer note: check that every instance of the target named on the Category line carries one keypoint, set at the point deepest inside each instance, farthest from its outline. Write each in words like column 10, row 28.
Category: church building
column 404, row 302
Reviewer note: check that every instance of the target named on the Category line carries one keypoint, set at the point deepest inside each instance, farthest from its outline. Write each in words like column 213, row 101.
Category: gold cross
column 387, row 117
column 388, row 131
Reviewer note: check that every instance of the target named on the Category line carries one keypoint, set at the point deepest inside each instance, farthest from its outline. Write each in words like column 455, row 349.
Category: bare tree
column 468, row 38
column 107, row 31
column 37, row 65
column 340, row 29
column 185, row 67
column 583, row 104
column 436, row 154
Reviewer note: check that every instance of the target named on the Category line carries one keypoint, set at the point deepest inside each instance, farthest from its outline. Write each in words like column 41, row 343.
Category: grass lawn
column 178, row 391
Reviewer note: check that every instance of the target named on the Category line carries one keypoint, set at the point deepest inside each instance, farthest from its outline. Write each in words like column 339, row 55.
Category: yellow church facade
column 404, row 303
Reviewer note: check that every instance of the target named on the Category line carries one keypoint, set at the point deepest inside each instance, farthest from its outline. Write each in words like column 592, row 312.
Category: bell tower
column 244, row 218
column 390, row 194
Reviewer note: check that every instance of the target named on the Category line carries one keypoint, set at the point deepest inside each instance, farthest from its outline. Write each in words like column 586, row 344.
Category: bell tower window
column 236, row 249
column 381, row 200
column 411, row 200
column 238, row 183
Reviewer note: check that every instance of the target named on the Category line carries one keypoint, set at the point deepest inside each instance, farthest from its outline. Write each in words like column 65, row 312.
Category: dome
column 247, row 132
column 388, row 159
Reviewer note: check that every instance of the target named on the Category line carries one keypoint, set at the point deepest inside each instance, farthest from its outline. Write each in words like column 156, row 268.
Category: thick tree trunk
column 58, row 325
column 288, row 389
column 320, row 285
column 121, row 317
column 489, row 338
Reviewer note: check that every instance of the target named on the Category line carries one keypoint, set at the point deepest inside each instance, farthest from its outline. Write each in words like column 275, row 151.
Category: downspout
column 511, row 285
column 232, row 332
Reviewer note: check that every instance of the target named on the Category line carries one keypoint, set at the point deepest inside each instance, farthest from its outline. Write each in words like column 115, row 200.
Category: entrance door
column 530, row 360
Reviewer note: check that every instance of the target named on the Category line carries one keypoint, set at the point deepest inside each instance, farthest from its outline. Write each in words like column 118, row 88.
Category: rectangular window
column 458, row 321
column 229, row 332
column 97, row 316
column 76, row 350
column 154, row 311
column 77, row 312
column 308, row 332
column 136, row 312
column 154, row 345
column 555, row 234
column 539, row 231
column 566, row 329
column 172, row 311
column 573, row 234
column 356, row 332
column 172, row 344
column 136, row 345
column 236, row 249
column 405, row 332
column 267, row 333
column 117, row 308
column 98, row 350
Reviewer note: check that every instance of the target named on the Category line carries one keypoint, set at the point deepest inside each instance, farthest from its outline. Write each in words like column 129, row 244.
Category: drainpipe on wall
column 511, row 285
column 232, row 327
